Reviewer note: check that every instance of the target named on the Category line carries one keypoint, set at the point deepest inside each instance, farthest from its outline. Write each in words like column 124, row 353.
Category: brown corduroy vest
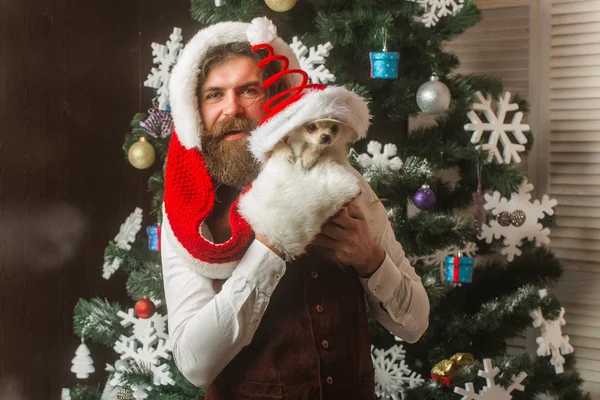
column 312, row 343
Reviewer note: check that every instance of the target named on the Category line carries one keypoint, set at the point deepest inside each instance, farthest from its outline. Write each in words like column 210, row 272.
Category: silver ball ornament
column 433, row 97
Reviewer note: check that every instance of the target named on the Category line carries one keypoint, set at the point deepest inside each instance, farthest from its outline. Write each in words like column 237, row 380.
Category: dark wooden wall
column 71, row 75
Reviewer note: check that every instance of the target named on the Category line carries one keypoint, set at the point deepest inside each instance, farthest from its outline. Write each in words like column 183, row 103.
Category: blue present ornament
column 384, row 64
column 459, row 269
column 153, row 238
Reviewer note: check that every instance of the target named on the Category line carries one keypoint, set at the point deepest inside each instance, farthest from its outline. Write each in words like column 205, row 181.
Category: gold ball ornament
column 141, row 154
column 518, row 218
column 504, row 218
column 281, row 5
column 124, row 394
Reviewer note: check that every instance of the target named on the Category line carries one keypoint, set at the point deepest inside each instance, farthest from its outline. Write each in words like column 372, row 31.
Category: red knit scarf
column 189, row 199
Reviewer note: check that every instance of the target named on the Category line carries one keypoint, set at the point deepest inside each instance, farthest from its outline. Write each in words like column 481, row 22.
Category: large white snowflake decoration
column 498, row 128
column 439, row 257
column 129, row 229
column 165, row 56
column 491, row 391
column 148, row 344
column 436, row 9
column 552, row 341
column 313, row 64
column 513, row 234
column 391, row 372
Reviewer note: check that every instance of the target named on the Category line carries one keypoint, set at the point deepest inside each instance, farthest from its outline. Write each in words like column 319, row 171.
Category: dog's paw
column 284, row 153
column 309, row 158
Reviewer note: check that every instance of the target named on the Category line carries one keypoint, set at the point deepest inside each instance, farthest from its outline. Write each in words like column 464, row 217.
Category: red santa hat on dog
column 303, row 103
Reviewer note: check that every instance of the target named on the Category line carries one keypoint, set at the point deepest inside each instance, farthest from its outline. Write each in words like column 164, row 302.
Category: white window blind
column 574, row 121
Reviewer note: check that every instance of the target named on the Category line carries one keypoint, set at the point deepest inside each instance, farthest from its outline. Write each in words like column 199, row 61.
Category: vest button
column 329, row 380
column 319, row 308
column 314, row 275
column 325, row 344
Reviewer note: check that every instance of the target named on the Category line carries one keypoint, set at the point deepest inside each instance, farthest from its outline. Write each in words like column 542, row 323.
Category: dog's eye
column 311, row 128
column 334, row 128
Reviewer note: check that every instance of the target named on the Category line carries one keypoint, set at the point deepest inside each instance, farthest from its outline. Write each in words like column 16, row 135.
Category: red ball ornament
column 144, row 308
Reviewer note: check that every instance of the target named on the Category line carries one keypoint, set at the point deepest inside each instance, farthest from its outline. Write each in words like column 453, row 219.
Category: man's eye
column 250, row 92
column 213, row 96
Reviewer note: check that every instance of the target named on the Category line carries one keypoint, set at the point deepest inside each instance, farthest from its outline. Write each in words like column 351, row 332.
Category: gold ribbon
column 446, row 367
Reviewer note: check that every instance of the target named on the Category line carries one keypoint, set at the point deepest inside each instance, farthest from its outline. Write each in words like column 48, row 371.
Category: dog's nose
column 325, row 139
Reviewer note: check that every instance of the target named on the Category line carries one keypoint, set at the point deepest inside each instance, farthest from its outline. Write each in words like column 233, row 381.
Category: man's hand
column 346, row 239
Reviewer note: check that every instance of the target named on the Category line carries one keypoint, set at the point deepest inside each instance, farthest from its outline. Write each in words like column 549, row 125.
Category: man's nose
column 233, row 105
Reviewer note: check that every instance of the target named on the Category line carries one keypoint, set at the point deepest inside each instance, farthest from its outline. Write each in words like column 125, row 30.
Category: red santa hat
column 189, row 190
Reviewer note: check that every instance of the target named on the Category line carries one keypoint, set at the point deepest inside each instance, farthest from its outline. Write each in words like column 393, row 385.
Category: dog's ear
column 346, row 131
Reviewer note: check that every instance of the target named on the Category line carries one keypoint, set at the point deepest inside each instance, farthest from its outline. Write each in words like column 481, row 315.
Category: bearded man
column 243, row 322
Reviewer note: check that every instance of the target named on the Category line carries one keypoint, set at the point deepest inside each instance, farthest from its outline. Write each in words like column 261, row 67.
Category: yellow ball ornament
column 141, row 154
column 280, row 5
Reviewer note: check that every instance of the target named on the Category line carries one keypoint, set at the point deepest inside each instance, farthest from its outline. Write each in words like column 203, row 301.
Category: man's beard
column 230, row 162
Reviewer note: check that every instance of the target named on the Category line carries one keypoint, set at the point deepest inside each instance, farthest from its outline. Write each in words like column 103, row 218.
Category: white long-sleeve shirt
column 208, row 329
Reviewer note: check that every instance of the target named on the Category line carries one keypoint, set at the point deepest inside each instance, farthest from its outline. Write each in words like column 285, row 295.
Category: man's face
column 231, row 106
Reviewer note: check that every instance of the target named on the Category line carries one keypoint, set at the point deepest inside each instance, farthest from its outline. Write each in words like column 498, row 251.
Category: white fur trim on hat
column 261, row 30
column 333, row 102
column 184, row 77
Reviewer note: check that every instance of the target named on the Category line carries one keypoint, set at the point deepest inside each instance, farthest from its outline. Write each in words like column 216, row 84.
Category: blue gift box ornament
column 459, row 269
column 153, row 238
column 384, row 64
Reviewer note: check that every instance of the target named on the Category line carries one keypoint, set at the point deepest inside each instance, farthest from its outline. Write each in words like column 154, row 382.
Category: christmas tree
column 479, row 242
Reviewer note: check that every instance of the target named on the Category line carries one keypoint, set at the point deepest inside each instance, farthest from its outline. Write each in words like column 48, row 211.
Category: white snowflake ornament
column 391, row 372
column 109, row 268
column 498, row 128
column 139, row 391
column 491, row 391
column 552, row 341
column 129, row 229
column 436, row 9
column 439, row 257
column 313, row 61
column 381, row 157
column 165, row 56
column 148, row 344
column 83, row 365
column 517, row 219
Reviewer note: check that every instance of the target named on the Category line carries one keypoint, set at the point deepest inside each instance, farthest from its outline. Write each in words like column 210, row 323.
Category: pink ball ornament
column 424, row 198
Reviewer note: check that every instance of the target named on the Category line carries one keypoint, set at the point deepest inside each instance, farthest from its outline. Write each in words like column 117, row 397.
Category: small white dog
column 315, row 139
column 322, row 138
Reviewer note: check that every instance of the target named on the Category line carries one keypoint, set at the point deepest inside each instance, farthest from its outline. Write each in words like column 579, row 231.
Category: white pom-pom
column 261, row 30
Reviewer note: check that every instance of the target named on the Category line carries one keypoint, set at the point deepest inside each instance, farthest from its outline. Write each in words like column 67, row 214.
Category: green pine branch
column 428, row 232
column 98, row 321
column 146, row 281
column 81, row 392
